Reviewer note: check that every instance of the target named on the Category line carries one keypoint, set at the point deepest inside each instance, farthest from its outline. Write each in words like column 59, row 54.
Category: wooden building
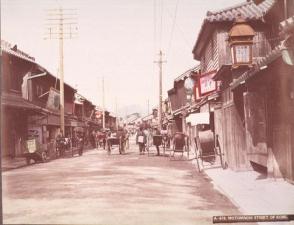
column 253, row 122
column 15, row 110
column 213, row 50
column 179, row 103
column 268, row 104
column 30, row 104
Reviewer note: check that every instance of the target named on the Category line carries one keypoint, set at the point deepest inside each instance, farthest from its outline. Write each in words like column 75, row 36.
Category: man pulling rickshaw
column 118, row 138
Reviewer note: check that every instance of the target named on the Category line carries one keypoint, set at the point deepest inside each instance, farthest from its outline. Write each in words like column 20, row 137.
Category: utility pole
column 61, row 24
column 147, row 107
column 103, row 104
column 160, row 61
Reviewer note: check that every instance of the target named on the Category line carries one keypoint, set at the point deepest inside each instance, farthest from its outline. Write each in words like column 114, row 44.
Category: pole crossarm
column 60, row 24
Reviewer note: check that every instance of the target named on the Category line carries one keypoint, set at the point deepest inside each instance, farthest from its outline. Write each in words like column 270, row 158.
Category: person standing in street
column 158, row 142
column 141, row 140
column 93, row 139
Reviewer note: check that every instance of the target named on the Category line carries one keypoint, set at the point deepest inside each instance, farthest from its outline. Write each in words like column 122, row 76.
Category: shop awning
column 198, row 118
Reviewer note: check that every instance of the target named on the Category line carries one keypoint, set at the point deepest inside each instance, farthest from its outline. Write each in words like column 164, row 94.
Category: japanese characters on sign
column 206, row 83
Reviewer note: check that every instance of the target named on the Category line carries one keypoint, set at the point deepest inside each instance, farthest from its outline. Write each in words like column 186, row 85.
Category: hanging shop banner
column 78, row 99
column 53, row 99
column 206, row 83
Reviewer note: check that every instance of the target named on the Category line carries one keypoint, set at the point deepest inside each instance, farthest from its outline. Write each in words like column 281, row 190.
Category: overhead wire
column 161, row 22
column 188, row 45
column 154, row 26
column 173, row 27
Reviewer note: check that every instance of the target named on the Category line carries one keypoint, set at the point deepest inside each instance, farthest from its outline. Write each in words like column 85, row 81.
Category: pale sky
column 117, row 39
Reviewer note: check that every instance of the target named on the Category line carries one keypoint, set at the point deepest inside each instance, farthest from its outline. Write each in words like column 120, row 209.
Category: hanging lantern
column 189, row 87
column 241, row 41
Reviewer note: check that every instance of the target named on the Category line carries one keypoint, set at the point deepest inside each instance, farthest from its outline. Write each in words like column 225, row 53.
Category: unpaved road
column 117, row 189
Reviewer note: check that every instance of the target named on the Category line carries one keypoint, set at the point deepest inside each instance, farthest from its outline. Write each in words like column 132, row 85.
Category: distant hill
column 130, row 109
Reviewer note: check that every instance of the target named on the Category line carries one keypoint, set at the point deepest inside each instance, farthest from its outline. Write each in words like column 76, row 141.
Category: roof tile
column 248, row 10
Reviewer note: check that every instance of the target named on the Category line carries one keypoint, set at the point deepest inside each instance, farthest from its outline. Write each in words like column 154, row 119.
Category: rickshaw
column 35, row 151
column 116, row 138
column 207, row 149
column 101, row 139
column 62, row 144
column 180, row 144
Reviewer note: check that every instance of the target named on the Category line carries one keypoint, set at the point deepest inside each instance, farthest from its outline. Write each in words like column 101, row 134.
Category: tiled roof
column 7, row 47
column 187, row 73
column 248, row 11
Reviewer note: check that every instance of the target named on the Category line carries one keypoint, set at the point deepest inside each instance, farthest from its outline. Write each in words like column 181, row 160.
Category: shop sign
column 31, row 146
column 35, row 132
column 206, row 83
column 53, row 99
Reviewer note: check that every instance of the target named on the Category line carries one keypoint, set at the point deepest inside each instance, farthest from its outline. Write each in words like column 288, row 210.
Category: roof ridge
column 197, row 67
column 209, row 13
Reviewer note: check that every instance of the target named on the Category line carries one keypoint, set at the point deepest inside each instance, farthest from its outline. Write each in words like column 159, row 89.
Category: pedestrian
column 92, row 139
column 146, row 132
column 158, row 141
column 141, row 140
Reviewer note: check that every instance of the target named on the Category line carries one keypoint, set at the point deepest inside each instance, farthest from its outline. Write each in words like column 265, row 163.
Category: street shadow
column 262, row 170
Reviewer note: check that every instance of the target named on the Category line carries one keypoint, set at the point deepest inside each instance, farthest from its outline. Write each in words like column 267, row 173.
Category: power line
column 154, row 26
column 161, row 21
column 188, row 45
column 173, row 27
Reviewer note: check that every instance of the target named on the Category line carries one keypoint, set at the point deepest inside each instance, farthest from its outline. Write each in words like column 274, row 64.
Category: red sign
column 206, row 83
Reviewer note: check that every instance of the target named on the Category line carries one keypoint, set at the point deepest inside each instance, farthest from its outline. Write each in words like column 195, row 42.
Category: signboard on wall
column 53, row 99
column 31, row 145
column 206, row 83
column 35, row 132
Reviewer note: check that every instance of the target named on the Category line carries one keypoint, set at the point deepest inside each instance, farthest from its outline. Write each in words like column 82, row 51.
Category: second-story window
column 207, row 56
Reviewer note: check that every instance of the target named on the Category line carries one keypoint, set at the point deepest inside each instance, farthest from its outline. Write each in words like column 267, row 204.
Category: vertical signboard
column 53, row 99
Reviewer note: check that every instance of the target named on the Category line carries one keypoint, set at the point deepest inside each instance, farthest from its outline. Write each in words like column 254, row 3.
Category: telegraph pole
column 61, row 24
column 160, row 61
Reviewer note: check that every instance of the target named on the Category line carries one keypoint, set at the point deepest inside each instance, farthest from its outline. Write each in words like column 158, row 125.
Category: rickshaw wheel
column 43, row 157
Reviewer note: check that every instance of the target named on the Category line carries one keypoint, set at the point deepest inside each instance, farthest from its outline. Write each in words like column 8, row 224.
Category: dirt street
column 118, row 189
